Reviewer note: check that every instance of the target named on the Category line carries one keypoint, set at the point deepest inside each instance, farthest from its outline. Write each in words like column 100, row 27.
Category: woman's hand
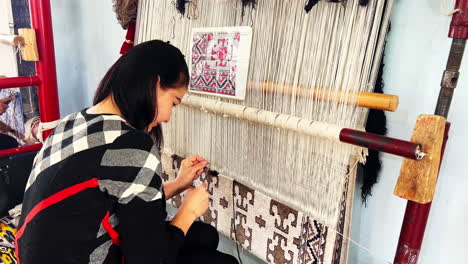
column 4, row 104
column 190, row 170
column 196, row 201
column 194, row 205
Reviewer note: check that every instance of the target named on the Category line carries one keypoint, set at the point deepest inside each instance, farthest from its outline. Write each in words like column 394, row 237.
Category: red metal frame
column 46, row 79
column 25, row 149
column 6, row 83
column 41, row 20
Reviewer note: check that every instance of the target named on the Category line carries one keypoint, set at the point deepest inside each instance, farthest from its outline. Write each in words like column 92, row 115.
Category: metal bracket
column 449, row 79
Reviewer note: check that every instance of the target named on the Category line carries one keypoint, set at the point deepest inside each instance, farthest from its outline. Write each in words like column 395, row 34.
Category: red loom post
column 41, row 20
column 416, row 215
column 414, row 224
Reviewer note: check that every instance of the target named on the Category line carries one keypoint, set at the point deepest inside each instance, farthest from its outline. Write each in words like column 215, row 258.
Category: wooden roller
column 378, row 101
column 418, row 178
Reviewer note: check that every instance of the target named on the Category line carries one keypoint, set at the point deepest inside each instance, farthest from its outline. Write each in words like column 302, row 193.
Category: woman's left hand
column 190, row 169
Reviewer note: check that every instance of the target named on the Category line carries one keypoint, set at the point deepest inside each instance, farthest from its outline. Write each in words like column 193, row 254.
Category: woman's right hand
column 194, row 205
column 196, row 201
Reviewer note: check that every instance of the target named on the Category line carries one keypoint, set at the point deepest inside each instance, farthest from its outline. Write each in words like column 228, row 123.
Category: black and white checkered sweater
column 95, row 196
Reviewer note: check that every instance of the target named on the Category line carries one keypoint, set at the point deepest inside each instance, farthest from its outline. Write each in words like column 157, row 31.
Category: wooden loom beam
column 378, row 101
column 389, row 145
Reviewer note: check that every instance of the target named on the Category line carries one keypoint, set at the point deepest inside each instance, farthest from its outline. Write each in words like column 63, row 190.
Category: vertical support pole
column 416, row 215
column 414, row 224
column 41, row 20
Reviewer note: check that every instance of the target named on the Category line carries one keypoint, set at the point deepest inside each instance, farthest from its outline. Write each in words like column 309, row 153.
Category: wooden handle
column 381, row 143
column 378, row 101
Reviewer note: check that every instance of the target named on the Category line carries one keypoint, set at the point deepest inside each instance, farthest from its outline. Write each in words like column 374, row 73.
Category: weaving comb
column 418, row 178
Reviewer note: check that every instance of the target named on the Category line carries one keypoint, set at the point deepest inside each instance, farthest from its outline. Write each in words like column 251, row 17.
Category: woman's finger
column 199, row 172
column 6, row 99
column 198, row 168
column 195, row 159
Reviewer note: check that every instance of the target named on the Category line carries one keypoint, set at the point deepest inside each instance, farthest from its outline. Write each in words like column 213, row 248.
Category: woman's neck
column 106, row 106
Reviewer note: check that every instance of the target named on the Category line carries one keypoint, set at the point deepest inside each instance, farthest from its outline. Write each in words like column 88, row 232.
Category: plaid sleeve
column 130, row 175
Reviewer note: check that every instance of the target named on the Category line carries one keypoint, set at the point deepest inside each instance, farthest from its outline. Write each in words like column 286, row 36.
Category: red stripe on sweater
column 110, row 230
column 51, row 200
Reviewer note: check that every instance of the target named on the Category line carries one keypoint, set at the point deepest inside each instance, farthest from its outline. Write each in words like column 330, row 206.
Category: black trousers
column 7, row 142
column 200, row 247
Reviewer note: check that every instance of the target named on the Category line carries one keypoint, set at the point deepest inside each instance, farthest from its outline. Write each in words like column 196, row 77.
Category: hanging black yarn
column 363, row 2
column 180, row 5
column 248, row 3
column 377, row 124
column 310, row 4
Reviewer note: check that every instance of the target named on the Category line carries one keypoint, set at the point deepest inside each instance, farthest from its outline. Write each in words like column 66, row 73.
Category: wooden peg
column 29, row 50
column 418, row 178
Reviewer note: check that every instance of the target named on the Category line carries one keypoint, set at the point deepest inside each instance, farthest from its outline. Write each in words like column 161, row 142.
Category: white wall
column 416, row 56
column 87, row 40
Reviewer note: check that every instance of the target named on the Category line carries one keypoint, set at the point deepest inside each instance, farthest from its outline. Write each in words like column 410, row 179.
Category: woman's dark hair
column 132, row 82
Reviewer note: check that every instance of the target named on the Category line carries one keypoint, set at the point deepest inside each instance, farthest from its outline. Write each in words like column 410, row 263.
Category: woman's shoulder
column 133, row 139
column 133, row 149
column 87, row 131
column 82, row 119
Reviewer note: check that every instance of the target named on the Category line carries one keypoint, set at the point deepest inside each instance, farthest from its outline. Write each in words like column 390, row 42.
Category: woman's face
column 167, row 99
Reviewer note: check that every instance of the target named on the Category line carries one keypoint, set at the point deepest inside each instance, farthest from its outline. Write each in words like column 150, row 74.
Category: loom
column 45, row 80
column 282, row 170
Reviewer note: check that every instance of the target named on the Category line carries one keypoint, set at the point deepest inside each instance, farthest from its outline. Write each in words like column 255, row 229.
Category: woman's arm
column 195, row 204
column 134, row 187
column 172, row 189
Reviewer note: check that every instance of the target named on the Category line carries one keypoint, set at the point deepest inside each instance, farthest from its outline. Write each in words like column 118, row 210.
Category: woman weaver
column 95, row 194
